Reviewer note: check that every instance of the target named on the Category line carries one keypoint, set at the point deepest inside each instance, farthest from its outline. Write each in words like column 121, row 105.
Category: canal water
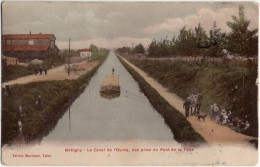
column 127, row 117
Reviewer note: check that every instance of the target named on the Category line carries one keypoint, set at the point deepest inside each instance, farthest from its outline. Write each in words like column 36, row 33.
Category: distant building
column 27, row 47
column 85, row 53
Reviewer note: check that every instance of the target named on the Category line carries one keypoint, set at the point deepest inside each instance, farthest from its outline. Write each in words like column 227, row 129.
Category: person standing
column 39, row 104
column 216, row 110
column 40, row 70
column 186, row 106
column 8, row 89
column 211, row 112
column 113, row 70
column 35, row 71
column 45, row 71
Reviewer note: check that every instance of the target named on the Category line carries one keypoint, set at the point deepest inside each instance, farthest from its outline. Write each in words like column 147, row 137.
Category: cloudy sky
column 116, row 24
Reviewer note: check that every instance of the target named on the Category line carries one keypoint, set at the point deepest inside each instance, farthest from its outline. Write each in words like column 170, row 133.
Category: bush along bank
column 180, row 127
column 231, row 86
column 36, row 119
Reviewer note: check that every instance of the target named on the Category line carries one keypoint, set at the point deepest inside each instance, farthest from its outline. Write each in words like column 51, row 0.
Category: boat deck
column 111, row 80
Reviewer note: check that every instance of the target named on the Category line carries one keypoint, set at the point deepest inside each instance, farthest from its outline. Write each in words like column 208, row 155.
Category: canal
column 127, row 117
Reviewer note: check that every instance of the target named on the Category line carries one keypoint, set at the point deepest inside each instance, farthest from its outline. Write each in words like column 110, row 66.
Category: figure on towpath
column 113, row 70
column 186, row 106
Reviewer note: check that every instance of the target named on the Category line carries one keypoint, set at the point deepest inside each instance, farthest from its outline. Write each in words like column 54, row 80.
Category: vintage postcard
column 129, row 83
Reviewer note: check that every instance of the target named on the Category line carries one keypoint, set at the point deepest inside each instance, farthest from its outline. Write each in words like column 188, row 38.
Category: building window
column 31, row 42
column 4, row 42
column 8, row 42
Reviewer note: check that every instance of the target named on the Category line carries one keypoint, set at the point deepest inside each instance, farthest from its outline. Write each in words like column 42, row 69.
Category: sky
column 117, row 24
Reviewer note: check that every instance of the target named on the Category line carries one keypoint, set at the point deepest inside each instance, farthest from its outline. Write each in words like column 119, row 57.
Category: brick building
column 27, row 47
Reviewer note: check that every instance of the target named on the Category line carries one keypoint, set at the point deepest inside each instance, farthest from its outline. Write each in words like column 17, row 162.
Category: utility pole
column 69, row 59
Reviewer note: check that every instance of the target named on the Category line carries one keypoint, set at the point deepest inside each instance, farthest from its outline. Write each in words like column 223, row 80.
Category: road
column 58, row 73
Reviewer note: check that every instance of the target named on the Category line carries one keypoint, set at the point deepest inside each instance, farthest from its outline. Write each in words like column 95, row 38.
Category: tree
column 124, row 50
column 139, row 49
column 93, row 48
column 186, row 42
column 216, row 41
column 240, row 40
column 201, row 37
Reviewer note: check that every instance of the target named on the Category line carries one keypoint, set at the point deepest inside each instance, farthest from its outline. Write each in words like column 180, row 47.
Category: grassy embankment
column 15, row 71
column 180, row 127
column 55, row 94
column 217, row 82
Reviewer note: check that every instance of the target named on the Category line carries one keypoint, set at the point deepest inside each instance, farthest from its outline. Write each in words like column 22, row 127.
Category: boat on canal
column 110, row 85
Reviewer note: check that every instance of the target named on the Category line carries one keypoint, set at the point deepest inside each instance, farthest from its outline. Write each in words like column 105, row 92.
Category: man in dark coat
column 186, row 106
column 35, row 71
column 45, row 71
column 40, row 70
column 8, row 89
column 113, row 70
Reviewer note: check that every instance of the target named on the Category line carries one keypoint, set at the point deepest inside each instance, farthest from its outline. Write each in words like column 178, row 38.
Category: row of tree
column 240, row 41
column 197, row 42
column 138, row 49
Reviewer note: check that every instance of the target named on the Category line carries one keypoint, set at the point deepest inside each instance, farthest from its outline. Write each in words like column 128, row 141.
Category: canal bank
column 180, row 127
column 55, row 97
column 213, row 133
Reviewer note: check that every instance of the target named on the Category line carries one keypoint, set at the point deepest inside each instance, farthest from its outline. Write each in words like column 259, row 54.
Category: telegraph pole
column 69, row 59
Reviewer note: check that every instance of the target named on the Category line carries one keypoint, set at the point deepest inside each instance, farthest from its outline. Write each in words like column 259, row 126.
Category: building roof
column 28, row 36
column 25, row 48
column 85, row 50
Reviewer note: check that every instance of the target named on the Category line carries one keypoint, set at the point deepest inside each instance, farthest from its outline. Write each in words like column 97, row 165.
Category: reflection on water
column 129, row 116
column 110, row 95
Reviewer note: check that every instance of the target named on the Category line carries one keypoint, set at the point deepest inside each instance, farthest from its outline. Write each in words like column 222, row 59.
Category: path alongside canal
column 212, row 132
column 58, row 73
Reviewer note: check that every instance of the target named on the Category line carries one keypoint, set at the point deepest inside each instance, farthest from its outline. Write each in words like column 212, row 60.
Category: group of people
column 192, row 104
column 20, row 116
column 40, row 70
column 21, row 113
column 223, row 117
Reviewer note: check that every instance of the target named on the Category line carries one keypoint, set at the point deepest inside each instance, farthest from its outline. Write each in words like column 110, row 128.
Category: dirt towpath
column 212, row 132
column 58, row 73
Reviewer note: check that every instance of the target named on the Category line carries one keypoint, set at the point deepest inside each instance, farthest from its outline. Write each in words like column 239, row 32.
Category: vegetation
column 124, row 50
column 15, row 71
column 240, row 40
column 219, row 83
column 53, row 60
column 12, row 72
column 54, row 95
column 73, row 53
column 98, row 53
column 138, row 49
column 197, row 42
column 180, row 127
column 230, row 85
